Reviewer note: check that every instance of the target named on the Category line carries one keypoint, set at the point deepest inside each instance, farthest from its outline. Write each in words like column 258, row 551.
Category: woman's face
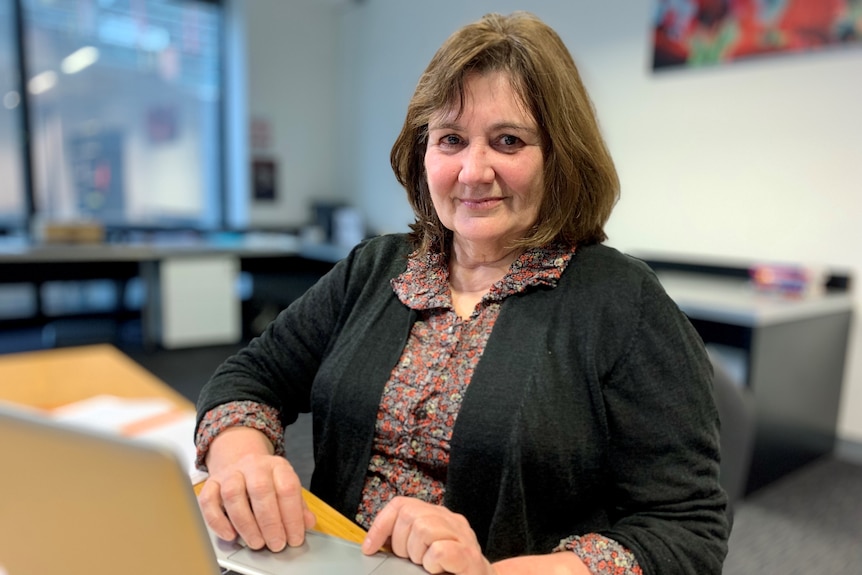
column 484, row 167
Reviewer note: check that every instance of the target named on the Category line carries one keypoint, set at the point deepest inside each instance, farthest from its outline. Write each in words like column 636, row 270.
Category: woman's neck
column 472, row 273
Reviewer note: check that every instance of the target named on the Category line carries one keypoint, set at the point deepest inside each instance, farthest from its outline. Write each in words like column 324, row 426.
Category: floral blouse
column 421, row 400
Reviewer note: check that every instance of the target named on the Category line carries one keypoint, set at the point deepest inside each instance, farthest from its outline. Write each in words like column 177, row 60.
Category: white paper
column 109, row 413
column 117, row 415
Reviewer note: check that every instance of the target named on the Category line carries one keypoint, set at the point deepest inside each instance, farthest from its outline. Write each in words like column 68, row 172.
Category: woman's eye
column 508, row 140
column 450, row 140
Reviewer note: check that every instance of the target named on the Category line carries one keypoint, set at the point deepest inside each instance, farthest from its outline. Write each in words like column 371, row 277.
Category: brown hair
column 581, row 183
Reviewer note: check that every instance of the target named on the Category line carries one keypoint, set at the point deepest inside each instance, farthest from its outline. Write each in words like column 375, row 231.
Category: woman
column 496, row 392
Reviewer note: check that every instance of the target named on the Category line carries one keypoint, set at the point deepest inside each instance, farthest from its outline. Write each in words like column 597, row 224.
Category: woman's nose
column 476, row 168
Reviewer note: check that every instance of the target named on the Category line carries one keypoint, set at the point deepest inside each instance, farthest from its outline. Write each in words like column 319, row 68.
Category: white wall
column 292, row 53
column 752, row 161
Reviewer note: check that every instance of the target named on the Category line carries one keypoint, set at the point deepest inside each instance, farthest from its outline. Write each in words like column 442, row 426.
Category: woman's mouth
column 480, row 203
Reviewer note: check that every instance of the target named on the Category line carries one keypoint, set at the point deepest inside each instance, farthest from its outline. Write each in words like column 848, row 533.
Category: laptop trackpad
column 319, row 555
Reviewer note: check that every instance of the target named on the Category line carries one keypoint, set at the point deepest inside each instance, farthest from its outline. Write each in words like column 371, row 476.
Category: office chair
column 736, row 410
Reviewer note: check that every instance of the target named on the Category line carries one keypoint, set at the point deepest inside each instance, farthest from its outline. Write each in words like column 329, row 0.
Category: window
column 12, row 190
column 124, row 111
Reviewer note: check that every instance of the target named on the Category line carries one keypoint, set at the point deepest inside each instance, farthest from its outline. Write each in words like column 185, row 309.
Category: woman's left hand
column 429, row 535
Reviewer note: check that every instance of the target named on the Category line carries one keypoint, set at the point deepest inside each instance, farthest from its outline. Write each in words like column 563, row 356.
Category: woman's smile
column 483, row 204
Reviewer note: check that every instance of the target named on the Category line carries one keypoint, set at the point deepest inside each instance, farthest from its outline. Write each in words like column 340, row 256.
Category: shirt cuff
column 601, row 555
column 238, row 413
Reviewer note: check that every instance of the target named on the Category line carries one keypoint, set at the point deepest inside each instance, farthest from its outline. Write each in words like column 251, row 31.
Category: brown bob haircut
column 581, row 183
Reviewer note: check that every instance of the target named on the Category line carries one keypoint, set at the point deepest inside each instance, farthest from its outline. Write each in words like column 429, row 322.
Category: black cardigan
column 589, row 411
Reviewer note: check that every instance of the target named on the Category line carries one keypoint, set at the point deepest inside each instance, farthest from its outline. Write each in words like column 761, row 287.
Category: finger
column 289, row 502
column 381, row 528
column 264, row 504
column 309, row 517
column 449, row 556
column 430, row 526
column 236, row 504
column 404, row 531
column 416, row 538
column 210, row 503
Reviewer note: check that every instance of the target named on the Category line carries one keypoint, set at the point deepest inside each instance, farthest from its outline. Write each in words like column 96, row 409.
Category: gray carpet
column 807, row 523
column 297, row 448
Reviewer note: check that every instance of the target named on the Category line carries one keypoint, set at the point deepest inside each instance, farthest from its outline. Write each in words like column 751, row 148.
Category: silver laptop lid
column 80, row 501
column 75, row 501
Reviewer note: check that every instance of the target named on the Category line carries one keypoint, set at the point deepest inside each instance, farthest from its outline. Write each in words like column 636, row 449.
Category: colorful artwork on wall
column 690, row 33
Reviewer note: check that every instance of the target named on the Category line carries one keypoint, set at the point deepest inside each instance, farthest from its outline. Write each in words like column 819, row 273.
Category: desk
column 792, row 355
column 171, row 281
column 49, row 379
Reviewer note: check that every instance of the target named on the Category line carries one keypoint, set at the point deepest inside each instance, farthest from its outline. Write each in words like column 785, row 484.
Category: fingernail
column 255, row 543
column 366, row 546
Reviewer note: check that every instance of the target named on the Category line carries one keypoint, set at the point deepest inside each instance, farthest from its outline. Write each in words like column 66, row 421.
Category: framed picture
column 689, row 33
column 264, row 179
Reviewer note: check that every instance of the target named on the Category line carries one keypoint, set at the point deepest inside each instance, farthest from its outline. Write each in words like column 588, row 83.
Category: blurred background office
column 756, row 161
column 222, row 119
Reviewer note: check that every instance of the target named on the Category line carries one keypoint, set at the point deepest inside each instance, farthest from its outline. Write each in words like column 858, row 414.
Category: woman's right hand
column 252, row 493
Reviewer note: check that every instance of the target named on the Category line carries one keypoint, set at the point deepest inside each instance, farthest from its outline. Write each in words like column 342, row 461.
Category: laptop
column 83, row 501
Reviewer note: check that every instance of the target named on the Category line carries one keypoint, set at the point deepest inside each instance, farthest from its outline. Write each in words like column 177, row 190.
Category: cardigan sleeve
column 663, row 449
column 277, row 368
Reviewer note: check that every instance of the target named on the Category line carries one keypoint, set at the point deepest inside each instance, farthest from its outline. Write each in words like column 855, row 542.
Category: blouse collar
column 425, row 282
